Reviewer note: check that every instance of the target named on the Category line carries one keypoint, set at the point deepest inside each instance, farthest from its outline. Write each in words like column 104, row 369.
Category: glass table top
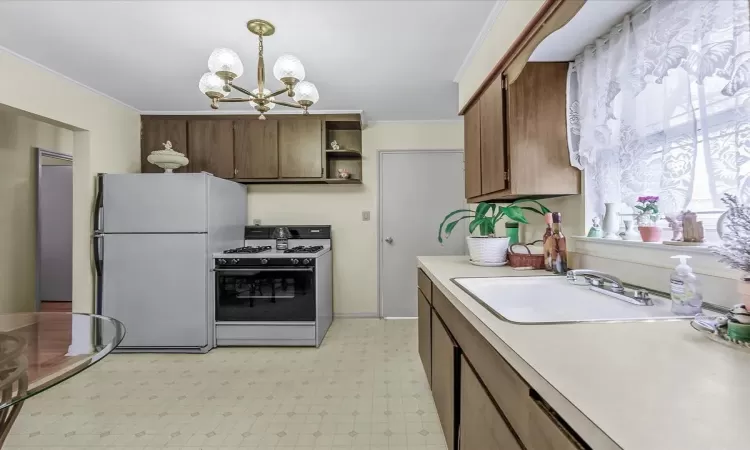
column 40, row 350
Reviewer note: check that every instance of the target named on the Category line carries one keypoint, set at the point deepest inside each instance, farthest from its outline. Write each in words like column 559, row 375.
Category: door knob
column 389, row 240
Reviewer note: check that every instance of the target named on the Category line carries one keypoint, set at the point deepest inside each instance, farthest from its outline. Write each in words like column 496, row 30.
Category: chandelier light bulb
column 211, row 85
column 289, row 69
column 266, row 92
column 306, row 94
column 225, row 63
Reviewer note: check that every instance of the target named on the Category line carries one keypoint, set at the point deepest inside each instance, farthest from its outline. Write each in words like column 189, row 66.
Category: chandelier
column 225, row 67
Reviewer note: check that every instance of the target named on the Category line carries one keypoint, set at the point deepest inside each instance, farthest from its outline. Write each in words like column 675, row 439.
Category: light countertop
column 636, row 385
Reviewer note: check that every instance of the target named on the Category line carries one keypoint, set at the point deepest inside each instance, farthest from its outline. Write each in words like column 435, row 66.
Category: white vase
column 488, row 249
column 611, row 225
column 631, row 234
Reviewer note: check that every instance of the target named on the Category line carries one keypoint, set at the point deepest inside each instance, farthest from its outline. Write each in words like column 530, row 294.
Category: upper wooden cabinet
column 211, row 145
column 301, row 148
column 281, row 149
column 256, row 149
column 154, row 133
column 519, row 146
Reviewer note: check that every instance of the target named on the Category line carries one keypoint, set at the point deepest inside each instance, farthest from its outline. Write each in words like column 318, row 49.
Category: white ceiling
column 393, row 59
column 595, row 18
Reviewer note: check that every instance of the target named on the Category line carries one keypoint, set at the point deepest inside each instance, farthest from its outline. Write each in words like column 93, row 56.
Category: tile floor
column 363, row 389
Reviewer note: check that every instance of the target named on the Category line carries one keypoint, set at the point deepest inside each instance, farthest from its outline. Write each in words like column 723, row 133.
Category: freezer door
column 156, row 284
column 154, row 203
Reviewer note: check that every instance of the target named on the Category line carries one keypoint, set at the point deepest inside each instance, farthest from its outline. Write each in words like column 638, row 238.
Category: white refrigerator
column 154, row 235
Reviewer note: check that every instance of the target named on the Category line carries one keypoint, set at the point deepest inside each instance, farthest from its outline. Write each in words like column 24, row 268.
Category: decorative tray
column 707, row 327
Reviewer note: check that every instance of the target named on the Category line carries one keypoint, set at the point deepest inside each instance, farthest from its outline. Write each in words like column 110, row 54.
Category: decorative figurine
column 692, row 229
column 167, row 158
column 344, row 174
column 596, row 229
column 675, row 224
column 335, row 145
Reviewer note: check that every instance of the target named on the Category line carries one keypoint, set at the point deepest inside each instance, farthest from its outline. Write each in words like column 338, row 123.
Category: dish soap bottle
column 684, row 289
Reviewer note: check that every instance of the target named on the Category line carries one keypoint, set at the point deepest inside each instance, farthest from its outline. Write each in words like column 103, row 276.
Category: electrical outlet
column 256, row 221
column 365, row 216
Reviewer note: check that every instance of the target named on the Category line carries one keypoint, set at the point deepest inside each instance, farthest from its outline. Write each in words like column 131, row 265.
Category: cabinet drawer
column 510, row 392
column 424, row 324
column 444, row 376
column 545, row 430
column 425, row 284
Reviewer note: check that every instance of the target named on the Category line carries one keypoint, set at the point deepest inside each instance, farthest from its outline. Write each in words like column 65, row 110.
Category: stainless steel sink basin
column 553, row 300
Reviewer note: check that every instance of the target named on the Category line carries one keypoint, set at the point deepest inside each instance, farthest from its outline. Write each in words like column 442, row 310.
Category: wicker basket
column 525, row 260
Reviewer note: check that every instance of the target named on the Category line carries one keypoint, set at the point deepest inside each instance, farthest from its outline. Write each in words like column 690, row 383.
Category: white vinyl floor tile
column 364, row 388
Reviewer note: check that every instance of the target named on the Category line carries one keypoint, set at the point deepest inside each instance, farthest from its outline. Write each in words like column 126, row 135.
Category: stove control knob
column 264, row 261
column 306, row 261
column 235, row 261
column 295, row 261
column 222, row 261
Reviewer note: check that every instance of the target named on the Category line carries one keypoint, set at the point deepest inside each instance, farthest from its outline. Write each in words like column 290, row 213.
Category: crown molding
column 435, row 121
column 226, row 112
column 481, row 37
column 67, row 78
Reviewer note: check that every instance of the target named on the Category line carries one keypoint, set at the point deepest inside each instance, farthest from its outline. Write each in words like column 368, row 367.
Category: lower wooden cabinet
column 482, row 427
column 445, row 354
column 424, row 321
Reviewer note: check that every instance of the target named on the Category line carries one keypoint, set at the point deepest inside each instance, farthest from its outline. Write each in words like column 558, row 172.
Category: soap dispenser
column 684, row 289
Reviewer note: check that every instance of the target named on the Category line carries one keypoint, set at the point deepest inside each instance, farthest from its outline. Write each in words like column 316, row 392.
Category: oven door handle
column 265, row 269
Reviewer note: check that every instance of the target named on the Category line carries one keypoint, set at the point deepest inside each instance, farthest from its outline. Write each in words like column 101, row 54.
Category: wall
column 106, row 138
column 55, row 232
column 513, row 17
column 18, row 137
column 355, row 243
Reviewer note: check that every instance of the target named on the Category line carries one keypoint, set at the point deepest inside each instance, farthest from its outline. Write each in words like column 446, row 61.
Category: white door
column 417, row 190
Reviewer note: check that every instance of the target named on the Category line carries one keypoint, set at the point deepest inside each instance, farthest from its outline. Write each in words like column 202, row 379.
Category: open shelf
column 348, row 135
column 343, row 181
column 344, row 152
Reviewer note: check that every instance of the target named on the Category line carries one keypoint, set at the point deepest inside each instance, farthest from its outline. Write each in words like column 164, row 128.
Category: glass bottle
column 560, row 254
column 511, row 230
column 547, row 244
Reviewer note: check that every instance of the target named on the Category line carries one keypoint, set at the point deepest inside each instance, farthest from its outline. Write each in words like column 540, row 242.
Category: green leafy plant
column 487, row 215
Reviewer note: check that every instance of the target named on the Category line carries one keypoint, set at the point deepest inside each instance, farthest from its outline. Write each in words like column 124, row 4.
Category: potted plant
column 488, row 248
column 735, row 247
column 648, row 214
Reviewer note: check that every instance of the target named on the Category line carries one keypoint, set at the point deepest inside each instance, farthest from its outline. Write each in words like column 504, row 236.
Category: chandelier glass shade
column 225, row 67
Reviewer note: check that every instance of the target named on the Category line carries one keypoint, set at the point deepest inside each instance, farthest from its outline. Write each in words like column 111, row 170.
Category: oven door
column 265, row 294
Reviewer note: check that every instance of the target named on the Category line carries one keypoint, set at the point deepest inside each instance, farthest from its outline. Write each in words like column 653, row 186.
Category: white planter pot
column 488, row 249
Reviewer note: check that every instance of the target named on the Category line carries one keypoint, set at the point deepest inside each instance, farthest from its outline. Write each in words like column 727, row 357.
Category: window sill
column 654, row 254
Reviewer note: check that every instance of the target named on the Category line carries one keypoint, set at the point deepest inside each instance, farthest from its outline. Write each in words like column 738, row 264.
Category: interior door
column 156, row 285
column 417, row 190
column 256, row 149
column 211, row 144
column 301, row 148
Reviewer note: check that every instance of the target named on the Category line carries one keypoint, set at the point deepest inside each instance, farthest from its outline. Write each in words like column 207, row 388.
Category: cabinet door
column 492, row 120
column 256, row 149
column 482, row 426
column 444, row 368
column 472, row 151
column 301, row 148
column 424, row 320
column 154, row 133
column 211, row 147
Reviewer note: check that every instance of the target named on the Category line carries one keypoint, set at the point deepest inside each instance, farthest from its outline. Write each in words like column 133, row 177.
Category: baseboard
column 356, row 316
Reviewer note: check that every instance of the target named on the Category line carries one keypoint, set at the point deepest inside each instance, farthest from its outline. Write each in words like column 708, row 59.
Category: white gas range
column 269, row 296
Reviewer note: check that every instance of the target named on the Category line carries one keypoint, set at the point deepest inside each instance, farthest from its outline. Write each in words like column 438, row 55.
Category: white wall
column 106, row 139
column 341, row 206
column 513, row 18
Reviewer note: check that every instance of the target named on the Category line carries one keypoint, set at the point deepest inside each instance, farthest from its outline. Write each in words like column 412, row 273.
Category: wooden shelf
column 343, row 152
column 343, row 181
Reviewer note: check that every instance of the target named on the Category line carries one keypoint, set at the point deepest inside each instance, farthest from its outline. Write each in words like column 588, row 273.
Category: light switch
column 365, row 216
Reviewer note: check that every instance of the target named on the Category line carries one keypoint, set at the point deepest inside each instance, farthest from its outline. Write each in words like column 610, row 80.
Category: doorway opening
column 54, row 262
column 416, row 190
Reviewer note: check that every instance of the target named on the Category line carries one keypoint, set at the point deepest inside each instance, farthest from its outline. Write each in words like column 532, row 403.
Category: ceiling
column 393, row 59
column 595, row 18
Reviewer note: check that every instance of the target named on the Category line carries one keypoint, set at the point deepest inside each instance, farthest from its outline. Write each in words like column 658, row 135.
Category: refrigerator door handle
column 96, row 240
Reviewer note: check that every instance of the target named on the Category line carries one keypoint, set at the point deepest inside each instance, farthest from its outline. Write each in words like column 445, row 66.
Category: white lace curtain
column 669, row 85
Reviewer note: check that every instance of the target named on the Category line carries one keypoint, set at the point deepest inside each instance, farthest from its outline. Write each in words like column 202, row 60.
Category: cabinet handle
column 236, row 171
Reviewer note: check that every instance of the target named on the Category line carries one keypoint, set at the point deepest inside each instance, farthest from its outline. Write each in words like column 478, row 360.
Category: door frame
column 379, row 231
column 41, row 153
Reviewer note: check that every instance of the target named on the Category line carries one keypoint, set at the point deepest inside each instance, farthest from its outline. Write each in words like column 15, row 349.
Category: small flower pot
column 650, row 234
column 743, row 288
column 490, row 250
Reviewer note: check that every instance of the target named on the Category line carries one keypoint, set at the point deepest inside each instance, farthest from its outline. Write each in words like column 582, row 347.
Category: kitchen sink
column 553, row 300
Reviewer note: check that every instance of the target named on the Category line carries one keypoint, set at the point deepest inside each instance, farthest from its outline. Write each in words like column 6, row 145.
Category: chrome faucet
column 609, row 285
